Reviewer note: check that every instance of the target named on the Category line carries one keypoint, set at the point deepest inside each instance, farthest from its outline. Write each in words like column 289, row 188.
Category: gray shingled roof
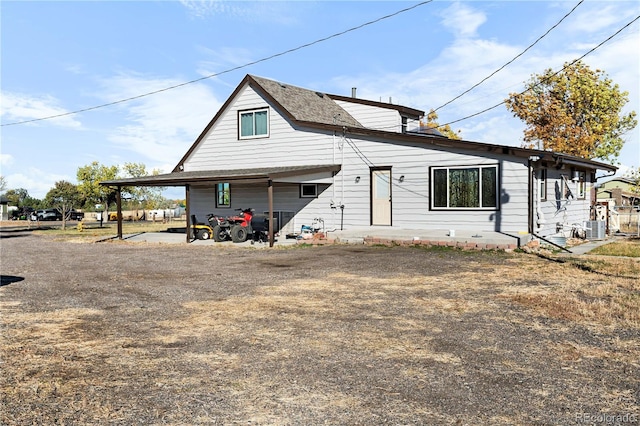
column 307, row 105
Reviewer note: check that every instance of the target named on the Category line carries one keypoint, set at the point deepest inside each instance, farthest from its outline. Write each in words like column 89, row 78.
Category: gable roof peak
column 303, row 105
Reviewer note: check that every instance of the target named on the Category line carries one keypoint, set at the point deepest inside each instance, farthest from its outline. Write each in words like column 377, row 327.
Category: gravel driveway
column 122, row 333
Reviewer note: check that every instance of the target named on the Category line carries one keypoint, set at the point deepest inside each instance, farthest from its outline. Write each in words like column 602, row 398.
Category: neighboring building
column 4, row 208
column 358, row 163
column 619, row 189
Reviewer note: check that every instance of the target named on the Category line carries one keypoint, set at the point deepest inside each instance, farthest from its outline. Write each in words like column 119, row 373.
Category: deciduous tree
column 576, row 111
column 151, row 195
column 432, row 123
column 17, row 196
column 634, row 175
column 89, row 178
column 63, row 196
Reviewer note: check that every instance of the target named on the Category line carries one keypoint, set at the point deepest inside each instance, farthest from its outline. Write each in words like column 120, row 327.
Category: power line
column 512, row 60
column 538, row 84
column 370, row 163
column 391, row 15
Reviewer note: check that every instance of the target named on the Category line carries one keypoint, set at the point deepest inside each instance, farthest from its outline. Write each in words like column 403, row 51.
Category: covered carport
column 255, row 176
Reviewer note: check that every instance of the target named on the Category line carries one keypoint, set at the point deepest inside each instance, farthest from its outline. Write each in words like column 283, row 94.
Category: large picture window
column 464, row 187
column 223, row 195
column 254, row 124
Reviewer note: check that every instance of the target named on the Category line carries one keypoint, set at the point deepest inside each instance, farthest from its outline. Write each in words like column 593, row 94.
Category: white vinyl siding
column 285, row 145
column 344, row 201
column 557, row 209
column 411, row 198
column 374, row 117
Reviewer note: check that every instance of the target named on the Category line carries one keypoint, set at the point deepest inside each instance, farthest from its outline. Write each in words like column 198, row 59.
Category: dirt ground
column 122, row 333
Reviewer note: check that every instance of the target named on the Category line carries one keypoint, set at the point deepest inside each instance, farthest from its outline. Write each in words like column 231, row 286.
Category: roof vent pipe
column 353, row 92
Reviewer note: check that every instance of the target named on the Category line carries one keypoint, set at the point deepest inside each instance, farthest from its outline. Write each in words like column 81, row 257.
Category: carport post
column 119, row 210
column 270, row 197
column 187, row 190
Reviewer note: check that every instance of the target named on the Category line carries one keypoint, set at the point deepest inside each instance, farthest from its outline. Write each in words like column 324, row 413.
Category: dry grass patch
column 628, row 248
column 93, row 231
column 375, row 336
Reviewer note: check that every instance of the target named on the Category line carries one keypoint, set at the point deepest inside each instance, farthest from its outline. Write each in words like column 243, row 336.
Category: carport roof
column 253, row 175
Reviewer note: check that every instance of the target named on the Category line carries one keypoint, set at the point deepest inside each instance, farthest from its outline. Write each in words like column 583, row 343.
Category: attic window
column 253, row 124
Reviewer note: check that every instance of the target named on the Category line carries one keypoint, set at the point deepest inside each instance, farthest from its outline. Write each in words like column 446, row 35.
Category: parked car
column 21, row 213
column 74, row 215
column 49, row 214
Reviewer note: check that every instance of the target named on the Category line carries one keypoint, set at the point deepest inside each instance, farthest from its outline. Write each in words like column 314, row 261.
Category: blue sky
column 59, row 57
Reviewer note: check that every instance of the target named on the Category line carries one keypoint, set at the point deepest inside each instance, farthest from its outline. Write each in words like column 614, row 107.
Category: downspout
column 333, row 183
column 531, row 200
column 344, row 137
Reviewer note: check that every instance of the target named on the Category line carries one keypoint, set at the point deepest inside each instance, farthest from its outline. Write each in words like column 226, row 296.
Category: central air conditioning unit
column 596, row 229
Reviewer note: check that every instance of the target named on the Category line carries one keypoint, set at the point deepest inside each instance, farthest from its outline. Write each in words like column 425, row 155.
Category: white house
column 304, row 155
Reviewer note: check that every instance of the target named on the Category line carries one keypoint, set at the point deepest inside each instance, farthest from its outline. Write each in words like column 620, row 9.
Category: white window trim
column 253, row 111
column 475, row 166
column 314, row 185
column 543, row 185
column 581, row 186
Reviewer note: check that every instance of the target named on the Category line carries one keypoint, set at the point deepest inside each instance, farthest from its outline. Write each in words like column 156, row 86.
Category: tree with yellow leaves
column 577, row 111
column 432, row 124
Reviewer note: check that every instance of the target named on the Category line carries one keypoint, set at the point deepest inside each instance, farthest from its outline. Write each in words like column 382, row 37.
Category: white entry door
column 381, row 197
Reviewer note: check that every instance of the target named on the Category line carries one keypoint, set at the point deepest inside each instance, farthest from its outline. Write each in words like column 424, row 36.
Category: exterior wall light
column 357, row 179
column 401, row 178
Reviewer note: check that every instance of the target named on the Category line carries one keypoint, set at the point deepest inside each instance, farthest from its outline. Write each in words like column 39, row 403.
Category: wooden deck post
column 119, row 210
column 270, row 197
column 187, row 193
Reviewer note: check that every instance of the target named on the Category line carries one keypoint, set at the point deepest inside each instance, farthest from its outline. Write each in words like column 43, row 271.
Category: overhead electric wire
column 225, row 71
column 538, row 84
column 512, row 60
column 370, row 163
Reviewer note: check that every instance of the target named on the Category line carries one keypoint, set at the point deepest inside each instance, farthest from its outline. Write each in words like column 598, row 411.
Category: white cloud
column 203, row 8
column 249, row 11
column 223, row 58
column 36, row 180
column 462, row 20
column 16, row 107
column 592, row 21
column 6, row 159
column 163, row 126
column 468, row 59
